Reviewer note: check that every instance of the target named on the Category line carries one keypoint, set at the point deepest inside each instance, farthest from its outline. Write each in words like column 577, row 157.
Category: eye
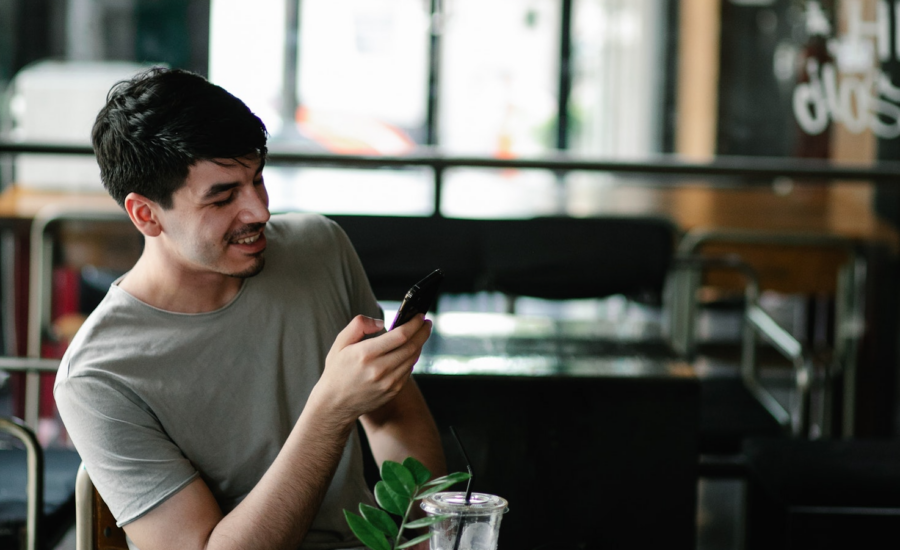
column 226, row 201
column 258, row 182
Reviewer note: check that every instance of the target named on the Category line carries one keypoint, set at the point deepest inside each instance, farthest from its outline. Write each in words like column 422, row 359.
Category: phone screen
column 419, row 299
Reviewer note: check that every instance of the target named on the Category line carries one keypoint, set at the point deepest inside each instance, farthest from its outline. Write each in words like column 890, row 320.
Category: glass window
column 408, row 192
column 246, row 54
column 493, row 193
column 363, row 74
column 498, row 77
column 615, row 105
column 361, row 69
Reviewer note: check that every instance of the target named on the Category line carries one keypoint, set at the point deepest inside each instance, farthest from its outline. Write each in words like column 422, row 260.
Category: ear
column 143, row 214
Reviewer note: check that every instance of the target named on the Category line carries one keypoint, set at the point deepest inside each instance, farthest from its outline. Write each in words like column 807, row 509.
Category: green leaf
column 414, row 541
column 398, row 478
column 436, row 489
column 427, row 521
column 454, row 477
column 419, row 471
column 380, row 519
column 366, row 532
column 389, row 500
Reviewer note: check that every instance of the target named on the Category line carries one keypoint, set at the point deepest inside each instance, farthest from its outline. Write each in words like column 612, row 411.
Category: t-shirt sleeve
column 133, row 464
column 358, row 287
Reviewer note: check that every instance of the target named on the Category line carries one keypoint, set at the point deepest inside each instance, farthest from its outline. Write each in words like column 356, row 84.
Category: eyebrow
column 219, row 188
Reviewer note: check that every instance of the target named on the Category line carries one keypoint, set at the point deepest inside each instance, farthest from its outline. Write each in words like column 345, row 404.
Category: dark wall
column 754, row 106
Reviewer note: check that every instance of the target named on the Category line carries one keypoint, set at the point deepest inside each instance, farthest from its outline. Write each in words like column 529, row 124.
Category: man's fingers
column 356, row 330
column 406, row 355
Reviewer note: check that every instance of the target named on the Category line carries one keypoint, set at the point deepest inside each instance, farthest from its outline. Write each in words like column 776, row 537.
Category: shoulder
column 311, row 233
column 301, row 223
column 302, row 226
column 119, row 321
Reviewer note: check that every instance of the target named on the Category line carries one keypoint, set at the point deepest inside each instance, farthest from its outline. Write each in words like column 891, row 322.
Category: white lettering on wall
column 851, row 90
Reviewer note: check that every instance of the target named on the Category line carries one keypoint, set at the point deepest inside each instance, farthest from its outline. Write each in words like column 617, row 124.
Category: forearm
column 405, row 427
column 279, row 511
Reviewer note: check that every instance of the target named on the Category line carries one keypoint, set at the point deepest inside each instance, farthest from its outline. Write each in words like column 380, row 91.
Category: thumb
column 356, row 330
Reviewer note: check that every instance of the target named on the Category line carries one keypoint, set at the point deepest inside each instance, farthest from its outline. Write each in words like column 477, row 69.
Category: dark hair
column 155, row 126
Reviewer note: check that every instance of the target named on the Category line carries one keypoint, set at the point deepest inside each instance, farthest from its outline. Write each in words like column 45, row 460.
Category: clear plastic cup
column 480, row 520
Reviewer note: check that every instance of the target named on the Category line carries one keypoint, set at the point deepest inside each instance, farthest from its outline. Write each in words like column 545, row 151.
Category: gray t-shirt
column 152, row 399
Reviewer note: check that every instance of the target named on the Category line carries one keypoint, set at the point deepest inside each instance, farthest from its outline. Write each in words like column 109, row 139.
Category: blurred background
column 772, row 125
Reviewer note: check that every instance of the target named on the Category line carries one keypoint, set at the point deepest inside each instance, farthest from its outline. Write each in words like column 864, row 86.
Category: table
column 592, row 440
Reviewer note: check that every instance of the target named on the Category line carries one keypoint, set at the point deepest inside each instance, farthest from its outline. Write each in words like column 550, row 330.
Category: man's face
column 218, row 218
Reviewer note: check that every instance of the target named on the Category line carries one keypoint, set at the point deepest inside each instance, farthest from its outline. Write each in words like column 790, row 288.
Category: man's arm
column 404, row 427
column 278, row 512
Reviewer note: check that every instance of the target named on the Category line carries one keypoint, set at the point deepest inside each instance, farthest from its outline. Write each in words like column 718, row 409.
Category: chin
column 251, row 271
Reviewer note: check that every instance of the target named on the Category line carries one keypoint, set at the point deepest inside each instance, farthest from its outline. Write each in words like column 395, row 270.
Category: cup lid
column 454, row 502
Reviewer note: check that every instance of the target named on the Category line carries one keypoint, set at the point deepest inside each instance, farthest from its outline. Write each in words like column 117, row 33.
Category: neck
column 178, row 290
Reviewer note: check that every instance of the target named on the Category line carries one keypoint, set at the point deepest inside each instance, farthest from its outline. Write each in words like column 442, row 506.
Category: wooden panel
column 698, row 78
column 107, row 535
column 784, row 269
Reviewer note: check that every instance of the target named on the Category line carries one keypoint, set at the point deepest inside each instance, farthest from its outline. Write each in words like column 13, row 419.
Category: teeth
column 248, row 240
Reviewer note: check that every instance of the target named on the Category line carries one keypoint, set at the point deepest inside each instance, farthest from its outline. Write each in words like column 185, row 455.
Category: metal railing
column 753, row 171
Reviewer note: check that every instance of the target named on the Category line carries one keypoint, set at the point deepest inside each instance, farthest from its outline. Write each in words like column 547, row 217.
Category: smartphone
column 419, row 299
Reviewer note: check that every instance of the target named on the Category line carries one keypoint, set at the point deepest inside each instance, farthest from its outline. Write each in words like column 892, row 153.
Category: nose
column 255, row 205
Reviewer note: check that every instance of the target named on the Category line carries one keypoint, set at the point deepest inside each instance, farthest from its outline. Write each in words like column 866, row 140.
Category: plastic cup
column 480, row 520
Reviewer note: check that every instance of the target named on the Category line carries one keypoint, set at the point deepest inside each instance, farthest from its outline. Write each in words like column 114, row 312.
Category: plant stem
column 412, row 501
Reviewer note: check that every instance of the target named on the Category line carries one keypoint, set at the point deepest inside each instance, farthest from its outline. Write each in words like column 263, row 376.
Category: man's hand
column 363, row 374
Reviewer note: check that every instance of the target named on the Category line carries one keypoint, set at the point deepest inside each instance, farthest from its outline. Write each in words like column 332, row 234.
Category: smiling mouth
column 248, row 240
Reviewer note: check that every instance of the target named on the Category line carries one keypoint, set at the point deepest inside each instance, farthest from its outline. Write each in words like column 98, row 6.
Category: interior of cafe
column 669, row 234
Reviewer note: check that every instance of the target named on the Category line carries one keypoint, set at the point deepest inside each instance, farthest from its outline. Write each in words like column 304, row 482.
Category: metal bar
column 762, row 395
column 782, row 339
column 438, row 191
column 695, row 238
column 8, row 292
column 565, row 76
column 851, row 328
column 845, row 510
column 436, row 29
column 290, row 69
column 35, row 472
column 28, row 364
column 753, row 171
column 84, row 510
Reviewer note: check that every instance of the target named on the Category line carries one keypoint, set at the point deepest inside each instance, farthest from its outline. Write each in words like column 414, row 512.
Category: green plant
column 400, row 487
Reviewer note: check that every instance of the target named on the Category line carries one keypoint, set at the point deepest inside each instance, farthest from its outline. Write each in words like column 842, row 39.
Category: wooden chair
column 95, row 526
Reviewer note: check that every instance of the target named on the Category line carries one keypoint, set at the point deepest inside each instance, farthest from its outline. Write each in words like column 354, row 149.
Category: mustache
column 246, row 231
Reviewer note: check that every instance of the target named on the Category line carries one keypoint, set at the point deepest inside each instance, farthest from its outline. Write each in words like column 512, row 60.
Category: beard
column 251, row 271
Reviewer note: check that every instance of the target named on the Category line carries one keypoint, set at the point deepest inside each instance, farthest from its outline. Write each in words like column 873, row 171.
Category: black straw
column 468, row 465
column 468, row 486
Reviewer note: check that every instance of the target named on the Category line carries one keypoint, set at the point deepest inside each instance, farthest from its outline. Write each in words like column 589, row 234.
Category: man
column 214, row 393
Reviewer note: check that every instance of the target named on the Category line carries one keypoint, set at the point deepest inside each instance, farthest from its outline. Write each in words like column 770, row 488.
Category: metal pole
column 565, row 76
column 290, row 70
column 436, row 29
column 35, row 472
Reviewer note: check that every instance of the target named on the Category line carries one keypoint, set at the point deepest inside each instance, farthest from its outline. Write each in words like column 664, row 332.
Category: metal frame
column 84, row 510
column 40, row 277
column 34, row 457
column 849, row 323
column 34, row 453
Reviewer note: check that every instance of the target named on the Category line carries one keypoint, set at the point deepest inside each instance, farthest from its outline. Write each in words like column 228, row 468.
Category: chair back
column 558, row 258
column 551, row 258
column 95, row 526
